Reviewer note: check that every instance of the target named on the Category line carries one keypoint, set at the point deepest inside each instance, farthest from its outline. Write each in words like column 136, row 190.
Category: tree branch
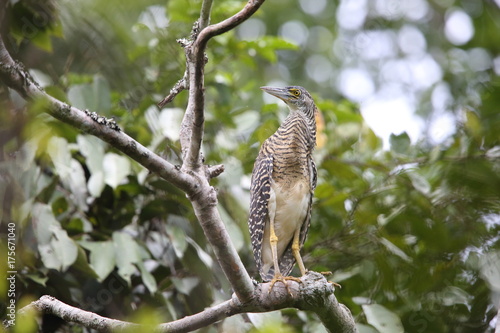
column 51, row 305
column 19, row 79
column 182, row 84
column 179, row 86
column 206, row 8
column 219, row 28
column 315, row 294
column 205, row 208
column 191, row 136
column 192, row 124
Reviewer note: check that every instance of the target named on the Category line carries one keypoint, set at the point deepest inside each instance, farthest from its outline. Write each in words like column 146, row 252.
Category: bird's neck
column 300, row 129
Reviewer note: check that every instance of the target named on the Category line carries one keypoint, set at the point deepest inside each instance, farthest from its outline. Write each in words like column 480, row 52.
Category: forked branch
column 191, row 134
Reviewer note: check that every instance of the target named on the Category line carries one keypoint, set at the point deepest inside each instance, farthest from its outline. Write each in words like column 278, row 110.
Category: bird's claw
column 282, row 279
column 328, row 274
column 335, row 284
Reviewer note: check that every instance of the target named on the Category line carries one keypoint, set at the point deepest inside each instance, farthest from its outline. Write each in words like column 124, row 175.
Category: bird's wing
column 287, row 261
column 260, row 192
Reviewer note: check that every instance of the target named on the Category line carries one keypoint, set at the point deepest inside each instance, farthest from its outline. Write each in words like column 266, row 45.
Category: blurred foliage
column 411, row 232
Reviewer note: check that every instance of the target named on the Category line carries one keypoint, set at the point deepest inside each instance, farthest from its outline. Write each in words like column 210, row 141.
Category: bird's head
column 296, row 97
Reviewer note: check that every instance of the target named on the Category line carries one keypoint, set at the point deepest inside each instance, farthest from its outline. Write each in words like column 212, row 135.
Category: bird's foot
column 335, row 284
column 328, row 274
column 283, row 279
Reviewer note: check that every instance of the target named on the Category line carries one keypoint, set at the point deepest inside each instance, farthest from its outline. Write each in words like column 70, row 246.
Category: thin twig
column 178, row 87
column 206, row 9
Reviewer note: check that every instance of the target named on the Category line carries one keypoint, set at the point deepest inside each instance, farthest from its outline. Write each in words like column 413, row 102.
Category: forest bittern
column 283, row 182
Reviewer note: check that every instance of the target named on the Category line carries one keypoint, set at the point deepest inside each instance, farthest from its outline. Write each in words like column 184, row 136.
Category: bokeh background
column 407, row 208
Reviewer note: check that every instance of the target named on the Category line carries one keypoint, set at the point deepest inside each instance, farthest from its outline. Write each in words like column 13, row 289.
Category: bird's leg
column 273, row 239
column 296, row 252
column 274, row 249
column 298, row 258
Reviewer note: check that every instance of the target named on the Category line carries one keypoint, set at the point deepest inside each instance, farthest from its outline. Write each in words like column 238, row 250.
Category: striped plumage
column 283, row 182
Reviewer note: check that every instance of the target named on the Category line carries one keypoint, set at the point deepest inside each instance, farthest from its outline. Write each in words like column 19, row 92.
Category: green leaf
column 46, row 190
column 49, row 258
column 177, row 237
column 58, row 151
column 96, row 184
column 365, row 328
column 453, row 295
column 400, row 143
column 76, row 181
column 395, row 250
column 384, row 320
column 382, row 219
column 267, row 46
column 185, row 285
column 43, row 219
column 127, row 254
column 102, row 257
column 57, row 249
column 419, row 182
column 93, row 150
column 43, row 41
column 37, row 278
column 490, row 269
column 147, row 278
column 116, row 169
column 64, row 247
column 82, row 264
column 95, row 96
column 205, row 257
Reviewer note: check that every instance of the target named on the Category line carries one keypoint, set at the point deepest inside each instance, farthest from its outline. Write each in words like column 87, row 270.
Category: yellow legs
column 296, row 253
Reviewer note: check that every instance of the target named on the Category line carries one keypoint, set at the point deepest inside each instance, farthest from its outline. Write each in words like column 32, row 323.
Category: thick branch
column 313, row 294
column 205, row 208
column 50, row 305
column 19, row 79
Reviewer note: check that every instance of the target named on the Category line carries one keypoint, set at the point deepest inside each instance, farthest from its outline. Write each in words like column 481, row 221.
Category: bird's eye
column 295, row 92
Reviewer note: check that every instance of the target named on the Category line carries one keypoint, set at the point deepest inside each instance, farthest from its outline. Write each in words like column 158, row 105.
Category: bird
column 282, row 186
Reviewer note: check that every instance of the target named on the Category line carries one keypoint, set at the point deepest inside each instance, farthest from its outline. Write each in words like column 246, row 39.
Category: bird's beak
column 281, row 93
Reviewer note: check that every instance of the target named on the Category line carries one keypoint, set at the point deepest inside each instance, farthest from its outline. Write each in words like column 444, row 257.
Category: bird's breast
column 292, row 204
